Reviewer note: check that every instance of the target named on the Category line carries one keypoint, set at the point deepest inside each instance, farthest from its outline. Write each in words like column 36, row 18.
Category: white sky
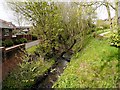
column 7, row 14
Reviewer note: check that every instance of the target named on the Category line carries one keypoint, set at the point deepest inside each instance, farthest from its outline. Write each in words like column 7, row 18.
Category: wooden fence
column 28, row 37
column 8, row 52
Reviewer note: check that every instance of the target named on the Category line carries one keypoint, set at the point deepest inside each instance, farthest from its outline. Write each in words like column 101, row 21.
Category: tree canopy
column 59, row 25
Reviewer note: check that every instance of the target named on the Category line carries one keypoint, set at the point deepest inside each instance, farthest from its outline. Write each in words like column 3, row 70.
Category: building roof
column 5, row 24
column 23, row 27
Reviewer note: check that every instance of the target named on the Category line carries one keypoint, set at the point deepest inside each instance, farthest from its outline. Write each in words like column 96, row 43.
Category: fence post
column 3, row 53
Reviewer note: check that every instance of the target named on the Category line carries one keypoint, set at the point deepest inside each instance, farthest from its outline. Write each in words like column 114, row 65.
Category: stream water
column 52, row 76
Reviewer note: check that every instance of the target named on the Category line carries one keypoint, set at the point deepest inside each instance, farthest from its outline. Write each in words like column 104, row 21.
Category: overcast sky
column 7, row 14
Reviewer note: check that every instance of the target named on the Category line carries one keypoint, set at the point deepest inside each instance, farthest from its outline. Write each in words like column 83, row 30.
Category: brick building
column 6, row 29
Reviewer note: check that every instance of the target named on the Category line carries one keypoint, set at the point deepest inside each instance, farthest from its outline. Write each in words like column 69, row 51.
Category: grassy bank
column 94, row 67
column 32, row 49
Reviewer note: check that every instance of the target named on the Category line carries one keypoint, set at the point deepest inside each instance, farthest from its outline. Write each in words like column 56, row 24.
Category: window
column 6, row 32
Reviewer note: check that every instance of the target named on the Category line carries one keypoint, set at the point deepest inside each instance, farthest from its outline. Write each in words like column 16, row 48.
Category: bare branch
column 112, row 6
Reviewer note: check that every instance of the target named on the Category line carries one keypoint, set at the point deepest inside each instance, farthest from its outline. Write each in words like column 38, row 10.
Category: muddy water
column 52, row 76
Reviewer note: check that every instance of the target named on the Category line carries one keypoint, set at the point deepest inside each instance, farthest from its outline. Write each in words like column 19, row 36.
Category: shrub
column 23, row 40
column 115, row 41
column 8, row 43
column 20, row 41
column 34, row 37
column 16, row 41
column 24, row 76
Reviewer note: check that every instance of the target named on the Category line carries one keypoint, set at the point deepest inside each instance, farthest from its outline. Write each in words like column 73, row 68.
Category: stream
column 52, row 75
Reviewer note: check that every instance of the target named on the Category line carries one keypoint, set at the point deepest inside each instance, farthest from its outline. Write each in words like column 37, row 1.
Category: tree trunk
column 116, row 15
column 109, row 15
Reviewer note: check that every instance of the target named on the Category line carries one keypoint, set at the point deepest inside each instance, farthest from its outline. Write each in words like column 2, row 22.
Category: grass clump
column 94, row 67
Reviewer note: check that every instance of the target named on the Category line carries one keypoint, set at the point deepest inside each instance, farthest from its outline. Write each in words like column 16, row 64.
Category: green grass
column 94, row 67
column 32, row 49
column 26, row 73
column 102, row 31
